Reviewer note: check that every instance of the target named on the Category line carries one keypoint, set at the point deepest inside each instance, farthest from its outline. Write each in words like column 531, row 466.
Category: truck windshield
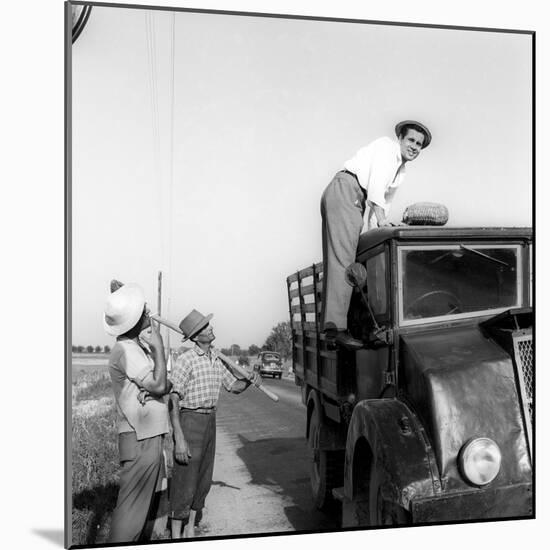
column 457, row 280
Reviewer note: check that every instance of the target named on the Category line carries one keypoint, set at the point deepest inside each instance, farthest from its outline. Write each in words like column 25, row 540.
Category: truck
column 431, row 419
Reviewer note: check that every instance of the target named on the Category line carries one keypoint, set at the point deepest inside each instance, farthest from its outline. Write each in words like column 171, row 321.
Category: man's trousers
column 342, row 209
column 191, row 482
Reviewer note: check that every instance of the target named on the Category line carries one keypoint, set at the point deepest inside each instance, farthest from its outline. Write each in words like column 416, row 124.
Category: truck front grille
column 524, row 358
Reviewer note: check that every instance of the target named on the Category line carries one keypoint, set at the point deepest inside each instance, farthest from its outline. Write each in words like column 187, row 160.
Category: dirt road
column 261, row 475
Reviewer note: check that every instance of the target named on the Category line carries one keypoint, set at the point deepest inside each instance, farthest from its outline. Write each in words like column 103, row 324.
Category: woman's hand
column 155, row 339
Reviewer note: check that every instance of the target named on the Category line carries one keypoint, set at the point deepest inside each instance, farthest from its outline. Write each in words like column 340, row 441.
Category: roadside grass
column 94, row 457
column 92, row 385
column 95, row 463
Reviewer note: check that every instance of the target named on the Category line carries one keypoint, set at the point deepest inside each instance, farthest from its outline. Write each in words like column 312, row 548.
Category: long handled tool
column 224, row 358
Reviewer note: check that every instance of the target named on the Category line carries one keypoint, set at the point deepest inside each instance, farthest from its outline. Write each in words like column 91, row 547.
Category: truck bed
column 314, row 363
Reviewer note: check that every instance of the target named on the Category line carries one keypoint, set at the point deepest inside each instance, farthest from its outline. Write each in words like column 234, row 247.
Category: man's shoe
column 345, row 339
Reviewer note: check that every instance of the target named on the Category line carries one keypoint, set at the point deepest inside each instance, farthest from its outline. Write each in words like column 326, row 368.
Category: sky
column 216, row 180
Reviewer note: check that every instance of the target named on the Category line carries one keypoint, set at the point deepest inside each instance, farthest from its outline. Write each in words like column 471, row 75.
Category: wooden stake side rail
column 305, row 308
column 306, row 290
column 308, row 326
column 302, row 292
column 305, row 304
column 303, row 273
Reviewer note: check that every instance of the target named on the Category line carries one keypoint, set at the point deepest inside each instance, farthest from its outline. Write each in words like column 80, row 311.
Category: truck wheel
column 326, row 467
column 382, row 511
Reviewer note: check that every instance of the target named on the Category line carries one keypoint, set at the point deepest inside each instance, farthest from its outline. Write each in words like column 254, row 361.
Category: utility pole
column 168, row 330
column 158, row 524
column 159, row 294
column 159, row 302
column 159, row 311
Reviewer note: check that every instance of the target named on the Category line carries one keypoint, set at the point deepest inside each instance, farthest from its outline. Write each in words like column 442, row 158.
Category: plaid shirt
column 197, row 378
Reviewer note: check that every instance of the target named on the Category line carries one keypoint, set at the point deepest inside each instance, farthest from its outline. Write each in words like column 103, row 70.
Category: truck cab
column 432, row 419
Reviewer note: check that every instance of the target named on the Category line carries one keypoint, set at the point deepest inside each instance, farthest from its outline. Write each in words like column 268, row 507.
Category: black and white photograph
column 290, row 250
column 331, row 218
column 301, row 274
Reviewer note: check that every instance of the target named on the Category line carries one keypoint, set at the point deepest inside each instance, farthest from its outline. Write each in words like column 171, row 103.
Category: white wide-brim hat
column 123, row 309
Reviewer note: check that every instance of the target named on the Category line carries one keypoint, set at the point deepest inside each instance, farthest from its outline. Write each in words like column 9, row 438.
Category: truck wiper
column 486, row 256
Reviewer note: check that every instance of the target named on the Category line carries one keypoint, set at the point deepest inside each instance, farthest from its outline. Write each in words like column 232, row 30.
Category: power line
column 171, row 178
column 152, row 77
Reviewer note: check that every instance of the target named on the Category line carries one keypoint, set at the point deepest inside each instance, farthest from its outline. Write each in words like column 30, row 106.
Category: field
column 89, row 362
column 94, row 455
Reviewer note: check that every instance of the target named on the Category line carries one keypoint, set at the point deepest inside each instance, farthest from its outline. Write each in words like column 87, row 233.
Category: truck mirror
column 356, row 275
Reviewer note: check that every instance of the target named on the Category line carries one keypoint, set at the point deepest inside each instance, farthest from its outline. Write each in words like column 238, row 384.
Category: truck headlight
column 479, row 460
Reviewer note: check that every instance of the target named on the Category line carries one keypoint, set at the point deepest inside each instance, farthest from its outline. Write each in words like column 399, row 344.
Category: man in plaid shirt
column 196, row 377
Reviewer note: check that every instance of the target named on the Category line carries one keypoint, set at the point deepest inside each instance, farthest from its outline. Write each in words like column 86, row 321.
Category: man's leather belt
column 200, row 410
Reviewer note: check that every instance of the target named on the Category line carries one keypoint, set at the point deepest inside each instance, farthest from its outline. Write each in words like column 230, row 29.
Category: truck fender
column 385, row 436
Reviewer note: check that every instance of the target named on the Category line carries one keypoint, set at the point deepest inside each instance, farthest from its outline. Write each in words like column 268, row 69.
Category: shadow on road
column 283, row 465
column 226, row 485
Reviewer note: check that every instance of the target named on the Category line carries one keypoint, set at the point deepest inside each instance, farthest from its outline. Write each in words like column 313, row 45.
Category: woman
column 137, row 368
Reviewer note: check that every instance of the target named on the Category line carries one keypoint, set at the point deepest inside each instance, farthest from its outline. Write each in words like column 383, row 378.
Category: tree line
column 279, row 340
column 91, row 349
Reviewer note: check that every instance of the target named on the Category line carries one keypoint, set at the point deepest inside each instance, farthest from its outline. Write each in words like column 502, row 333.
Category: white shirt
column 380, row 171
column 129, row 365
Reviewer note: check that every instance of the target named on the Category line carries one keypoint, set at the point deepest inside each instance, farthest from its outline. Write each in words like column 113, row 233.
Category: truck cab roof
column 377, row 236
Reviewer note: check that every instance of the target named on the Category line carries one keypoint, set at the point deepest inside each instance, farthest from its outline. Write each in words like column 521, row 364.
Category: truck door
column 372, row 362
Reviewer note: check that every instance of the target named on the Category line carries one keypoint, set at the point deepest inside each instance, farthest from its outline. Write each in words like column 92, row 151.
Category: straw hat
column 427, row 133
column 193, row 324
column 123, row 309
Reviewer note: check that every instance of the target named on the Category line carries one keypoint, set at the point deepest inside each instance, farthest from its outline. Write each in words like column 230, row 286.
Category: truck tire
column 382, row 511
column 369, row 508
column 326, row 467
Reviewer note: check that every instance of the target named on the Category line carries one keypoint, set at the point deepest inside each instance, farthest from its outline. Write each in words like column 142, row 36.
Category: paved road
column 261, row 476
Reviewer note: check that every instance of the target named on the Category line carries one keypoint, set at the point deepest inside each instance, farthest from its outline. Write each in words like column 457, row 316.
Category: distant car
column 269, row 362
column 243, row 361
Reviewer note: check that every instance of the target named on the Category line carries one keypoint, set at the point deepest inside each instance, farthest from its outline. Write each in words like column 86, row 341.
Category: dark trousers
column 342, row 209
column 191, row 482
column 140, row 467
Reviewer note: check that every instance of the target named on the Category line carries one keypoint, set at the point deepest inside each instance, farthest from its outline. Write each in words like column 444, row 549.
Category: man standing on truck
column 369, row 179
column 197, row 377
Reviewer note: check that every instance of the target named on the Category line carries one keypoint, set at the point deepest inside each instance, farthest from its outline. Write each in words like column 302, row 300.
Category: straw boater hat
column 123, row 309
column 193, row 324
column 427, row 133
